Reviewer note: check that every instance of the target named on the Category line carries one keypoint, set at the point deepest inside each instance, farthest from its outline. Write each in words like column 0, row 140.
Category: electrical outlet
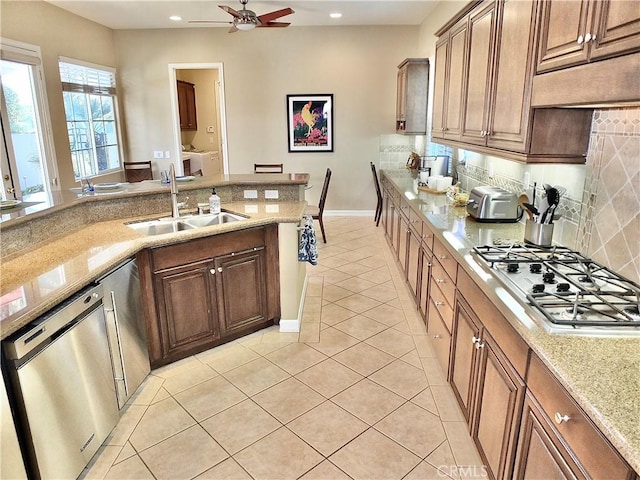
column 490, row 170
column 273, row 194
column 157, row 154
column 250, row 194
column 210, row 129
column 526, row 180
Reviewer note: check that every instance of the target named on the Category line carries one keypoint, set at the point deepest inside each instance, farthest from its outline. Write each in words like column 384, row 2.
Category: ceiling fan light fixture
column 245, row 26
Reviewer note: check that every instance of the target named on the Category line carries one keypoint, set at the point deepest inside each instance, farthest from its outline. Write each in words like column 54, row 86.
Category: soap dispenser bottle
column 214, row 202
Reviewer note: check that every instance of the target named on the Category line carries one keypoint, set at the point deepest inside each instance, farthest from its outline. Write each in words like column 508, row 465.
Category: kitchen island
column 601, row 373
column 50, row 254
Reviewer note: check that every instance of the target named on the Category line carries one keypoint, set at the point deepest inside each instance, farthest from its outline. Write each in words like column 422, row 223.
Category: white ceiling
column 134, row 14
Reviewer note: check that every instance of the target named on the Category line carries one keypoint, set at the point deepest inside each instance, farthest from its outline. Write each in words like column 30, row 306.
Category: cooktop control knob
column 548, row 277
column 513, row 267
column 535, row 268
column 538, row 288
column 562, row 287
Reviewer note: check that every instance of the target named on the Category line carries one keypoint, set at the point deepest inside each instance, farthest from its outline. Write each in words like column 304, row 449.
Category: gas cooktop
column 573, row 292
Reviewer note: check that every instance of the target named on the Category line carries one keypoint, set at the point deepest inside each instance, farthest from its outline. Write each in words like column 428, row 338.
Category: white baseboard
column 287, row 326
column 349, row 213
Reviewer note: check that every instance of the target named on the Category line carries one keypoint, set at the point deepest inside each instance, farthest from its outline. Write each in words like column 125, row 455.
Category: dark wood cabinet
column 426, row 254
column 489, row 82
column 242, row 289
column 557, row 438
column 204, row 292
column 412, row 95
column 488, row 386
column 187, row 105
column 580, row 31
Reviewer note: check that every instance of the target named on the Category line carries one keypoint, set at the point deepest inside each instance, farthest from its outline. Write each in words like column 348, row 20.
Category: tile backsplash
column 600, row 207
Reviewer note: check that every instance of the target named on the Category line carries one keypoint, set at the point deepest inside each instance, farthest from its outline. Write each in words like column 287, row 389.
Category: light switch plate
column 158, row 154
column 273, row 194
column 250, row 194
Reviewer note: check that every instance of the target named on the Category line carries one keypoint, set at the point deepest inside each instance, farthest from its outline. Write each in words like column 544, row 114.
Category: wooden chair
column 378, row 214
column 267, row 168
column 197, row 173
column 137, row 171
column 316, row 212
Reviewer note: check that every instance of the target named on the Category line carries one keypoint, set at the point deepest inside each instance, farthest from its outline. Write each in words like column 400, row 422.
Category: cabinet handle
column 479, row 345
column 437, row 336
column 443, row 257
column 587, row 38
column 440, row 280
column 212, row 271
column 475, row 339
column 219, row 269
column 560, row 419
column 439, row 304
column 580, row 40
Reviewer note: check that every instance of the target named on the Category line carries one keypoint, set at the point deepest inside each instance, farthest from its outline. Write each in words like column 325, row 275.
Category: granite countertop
column 34, row 282
column 602, row 373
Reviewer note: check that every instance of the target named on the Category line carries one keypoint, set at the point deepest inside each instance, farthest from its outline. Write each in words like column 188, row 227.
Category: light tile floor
column 356, row 394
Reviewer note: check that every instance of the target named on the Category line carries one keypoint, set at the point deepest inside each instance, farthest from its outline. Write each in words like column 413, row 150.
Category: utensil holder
column 540, row 234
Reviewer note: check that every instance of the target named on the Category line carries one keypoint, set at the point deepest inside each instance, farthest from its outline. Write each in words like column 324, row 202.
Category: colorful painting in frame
column 310, row 123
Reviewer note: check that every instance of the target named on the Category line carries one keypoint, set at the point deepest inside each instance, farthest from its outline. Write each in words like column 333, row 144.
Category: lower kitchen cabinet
column 557, row 440
column 207, row 291
column 489, row 390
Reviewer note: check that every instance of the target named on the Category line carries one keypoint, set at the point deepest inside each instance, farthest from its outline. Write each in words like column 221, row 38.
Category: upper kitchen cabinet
column 576, row 32
column 412, row 93
column 187, row 105
column 484, row 93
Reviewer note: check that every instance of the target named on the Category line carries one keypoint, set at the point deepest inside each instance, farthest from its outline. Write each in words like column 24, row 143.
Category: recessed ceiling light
column 335, row 15
column 175, row 18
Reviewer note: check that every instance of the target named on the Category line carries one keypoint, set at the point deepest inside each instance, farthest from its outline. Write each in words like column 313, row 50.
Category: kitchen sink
column 198, row 221
column 173, row 225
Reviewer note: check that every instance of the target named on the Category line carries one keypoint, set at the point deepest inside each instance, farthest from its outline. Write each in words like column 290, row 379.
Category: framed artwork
column 310, row 123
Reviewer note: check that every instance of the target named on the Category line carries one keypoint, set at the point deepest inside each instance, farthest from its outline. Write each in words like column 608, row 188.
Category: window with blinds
column 90, row 104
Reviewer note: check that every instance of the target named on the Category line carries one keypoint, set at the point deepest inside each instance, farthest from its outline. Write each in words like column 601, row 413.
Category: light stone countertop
column 601, row 373
column 34, row 282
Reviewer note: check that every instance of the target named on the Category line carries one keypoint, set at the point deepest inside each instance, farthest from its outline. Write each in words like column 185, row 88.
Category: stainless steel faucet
column 175, row 213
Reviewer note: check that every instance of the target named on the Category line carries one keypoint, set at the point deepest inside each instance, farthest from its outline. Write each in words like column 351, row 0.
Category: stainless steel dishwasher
column 126, row 329
column 62, row 380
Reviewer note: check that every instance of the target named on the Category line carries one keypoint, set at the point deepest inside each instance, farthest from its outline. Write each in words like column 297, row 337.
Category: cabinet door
column 539, row 457
column 187, row 105
column 242, row 290
column 478, row 77
column 466, row 333
column 497, row 408
column 187, row 308
column 425, row 280
column 564, row 24
column 509, row 115
column 440, row 87
column 413, row 259
column 401, row 92
column 403, row 241
column 616, row 27
column 456, row 76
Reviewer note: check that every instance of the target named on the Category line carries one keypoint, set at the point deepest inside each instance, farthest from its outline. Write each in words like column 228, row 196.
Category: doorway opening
column 197, row 92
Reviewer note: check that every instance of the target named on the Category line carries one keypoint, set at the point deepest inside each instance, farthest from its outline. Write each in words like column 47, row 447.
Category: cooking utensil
column 523, row 201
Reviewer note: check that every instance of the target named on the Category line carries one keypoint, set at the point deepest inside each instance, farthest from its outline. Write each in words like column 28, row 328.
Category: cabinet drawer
column 445, row 258
column 444, row 282
column 578, row 431
column 415, row 222
column 441, row 338
column 441, row 303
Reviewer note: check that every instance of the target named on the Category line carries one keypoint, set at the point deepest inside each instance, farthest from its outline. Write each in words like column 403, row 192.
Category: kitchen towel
column 308, row 247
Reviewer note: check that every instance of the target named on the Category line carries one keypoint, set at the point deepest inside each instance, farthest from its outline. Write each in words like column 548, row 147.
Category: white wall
column 356, row 64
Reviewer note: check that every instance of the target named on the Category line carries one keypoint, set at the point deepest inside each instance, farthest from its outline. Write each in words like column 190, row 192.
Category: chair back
column 325, row 189
column 137, row 171
column 375, row 180
column 197, row 173
column 267, row 168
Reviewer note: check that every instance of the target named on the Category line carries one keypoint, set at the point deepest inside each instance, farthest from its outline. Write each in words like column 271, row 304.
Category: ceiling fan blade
column 233, row 28
column 274, row 24
column 268, row 17
column 230, row 11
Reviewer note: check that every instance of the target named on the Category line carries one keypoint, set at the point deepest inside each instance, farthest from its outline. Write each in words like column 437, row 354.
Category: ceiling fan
column 245, row 19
